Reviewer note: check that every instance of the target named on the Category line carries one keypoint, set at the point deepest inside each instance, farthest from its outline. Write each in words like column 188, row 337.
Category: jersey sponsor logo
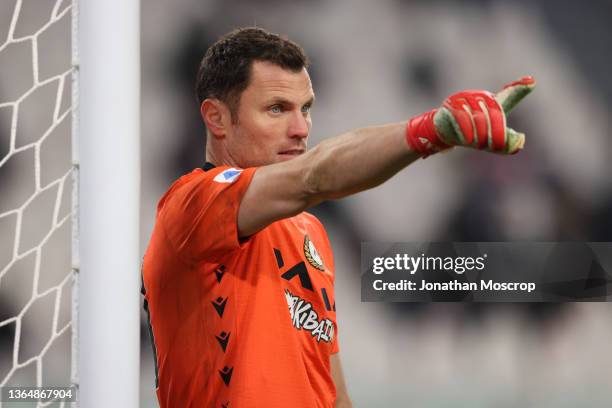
column 312, row 255
column 304, row 317
column 228, row 176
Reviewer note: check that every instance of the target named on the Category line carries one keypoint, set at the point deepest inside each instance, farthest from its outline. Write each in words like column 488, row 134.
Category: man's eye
column 305, row 108
column 276, row 109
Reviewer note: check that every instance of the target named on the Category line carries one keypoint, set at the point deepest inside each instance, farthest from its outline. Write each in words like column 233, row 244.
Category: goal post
column 108, row 60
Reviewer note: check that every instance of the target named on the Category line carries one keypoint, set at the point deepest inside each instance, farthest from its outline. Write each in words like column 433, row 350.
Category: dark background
column 384, row 61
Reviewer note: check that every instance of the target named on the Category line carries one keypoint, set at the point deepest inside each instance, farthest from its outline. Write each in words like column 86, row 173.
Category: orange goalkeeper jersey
column 238, row 323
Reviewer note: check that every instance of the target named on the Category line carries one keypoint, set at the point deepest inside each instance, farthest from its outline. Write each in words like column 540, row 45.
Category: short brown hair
column 225, row 70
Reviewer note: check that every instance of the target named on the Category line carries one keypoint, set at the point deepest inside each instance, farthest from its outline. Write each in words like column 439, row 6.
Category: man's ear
column 216, row 116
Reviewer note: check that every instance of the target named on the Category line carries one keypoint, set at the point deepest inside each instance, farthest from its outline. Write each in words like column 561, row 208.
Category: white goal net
column 37, row 185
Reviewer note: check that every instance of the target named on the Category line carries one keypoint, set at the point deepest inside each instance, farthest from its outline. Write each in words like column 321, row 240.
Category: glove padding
column 474, row 119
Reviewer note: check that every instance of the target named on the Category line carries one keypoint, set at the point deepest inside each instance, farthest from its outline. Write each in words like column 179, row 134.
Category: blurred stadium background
column 372, row 62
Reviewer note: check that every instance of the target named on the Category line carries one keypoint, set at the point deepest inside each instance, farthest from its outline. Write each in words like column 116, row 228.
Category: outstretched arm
column 337, row 167
column 364, row 158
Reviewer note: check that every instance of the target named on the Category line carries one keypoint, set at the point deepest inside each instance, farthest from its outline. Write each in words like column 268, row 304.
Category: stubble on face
column 273, row 117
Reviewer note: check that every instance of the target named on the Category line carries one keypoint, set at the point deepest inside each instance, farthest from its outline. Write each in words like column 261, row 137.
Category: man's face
column 273, row 117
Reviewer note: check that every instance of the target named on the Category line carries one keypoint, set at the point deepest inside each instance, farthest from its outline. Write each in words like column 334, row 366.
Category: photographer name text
column 454, row 285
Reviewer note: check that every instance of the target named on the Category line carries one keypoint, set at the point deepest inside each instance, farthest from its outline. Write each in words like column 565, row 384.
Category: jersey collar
column 207, row 166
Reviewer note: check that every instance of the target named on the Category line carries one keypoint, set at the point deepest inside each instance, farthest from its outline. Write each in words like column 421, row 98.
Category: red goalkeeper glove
column 474, row 119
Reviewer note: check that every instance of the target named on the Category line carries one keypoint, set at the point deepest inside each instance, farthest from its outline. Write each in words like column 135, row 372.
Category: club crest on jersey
column 228, row 176
column 312, row 255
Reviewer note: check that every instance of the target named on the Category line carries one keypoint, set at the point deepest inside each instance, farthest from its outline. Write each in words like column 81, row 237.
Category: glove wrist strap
column 422, row 136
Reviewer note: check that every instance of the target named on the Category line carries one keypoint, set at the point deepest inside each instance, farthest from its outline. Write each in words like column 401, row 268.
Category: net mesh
column 37, row 179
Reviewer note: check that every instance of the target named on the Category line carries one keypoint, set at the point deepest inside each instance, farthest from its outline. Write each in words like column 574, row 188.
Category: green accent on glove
column 448, row 128
column 509, row 97
column 515, row 141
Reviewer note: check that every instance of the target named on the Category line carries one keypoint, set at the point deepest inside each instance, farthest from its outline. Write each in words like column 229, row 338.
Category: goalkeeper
column 238, row 278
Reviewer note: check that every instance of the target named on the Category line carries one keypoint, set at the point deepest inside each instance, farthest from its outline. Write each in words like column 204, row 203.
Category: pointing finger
column 514, row 92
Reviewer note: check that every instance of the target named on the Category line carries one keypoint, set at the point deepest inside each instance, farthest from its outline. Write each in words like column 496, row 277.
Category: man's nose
column 300, row 126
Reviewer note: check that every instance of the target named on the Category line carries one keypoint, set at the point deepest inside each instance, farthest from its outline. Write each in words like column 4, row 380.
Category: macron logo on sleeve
column 228, row 176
